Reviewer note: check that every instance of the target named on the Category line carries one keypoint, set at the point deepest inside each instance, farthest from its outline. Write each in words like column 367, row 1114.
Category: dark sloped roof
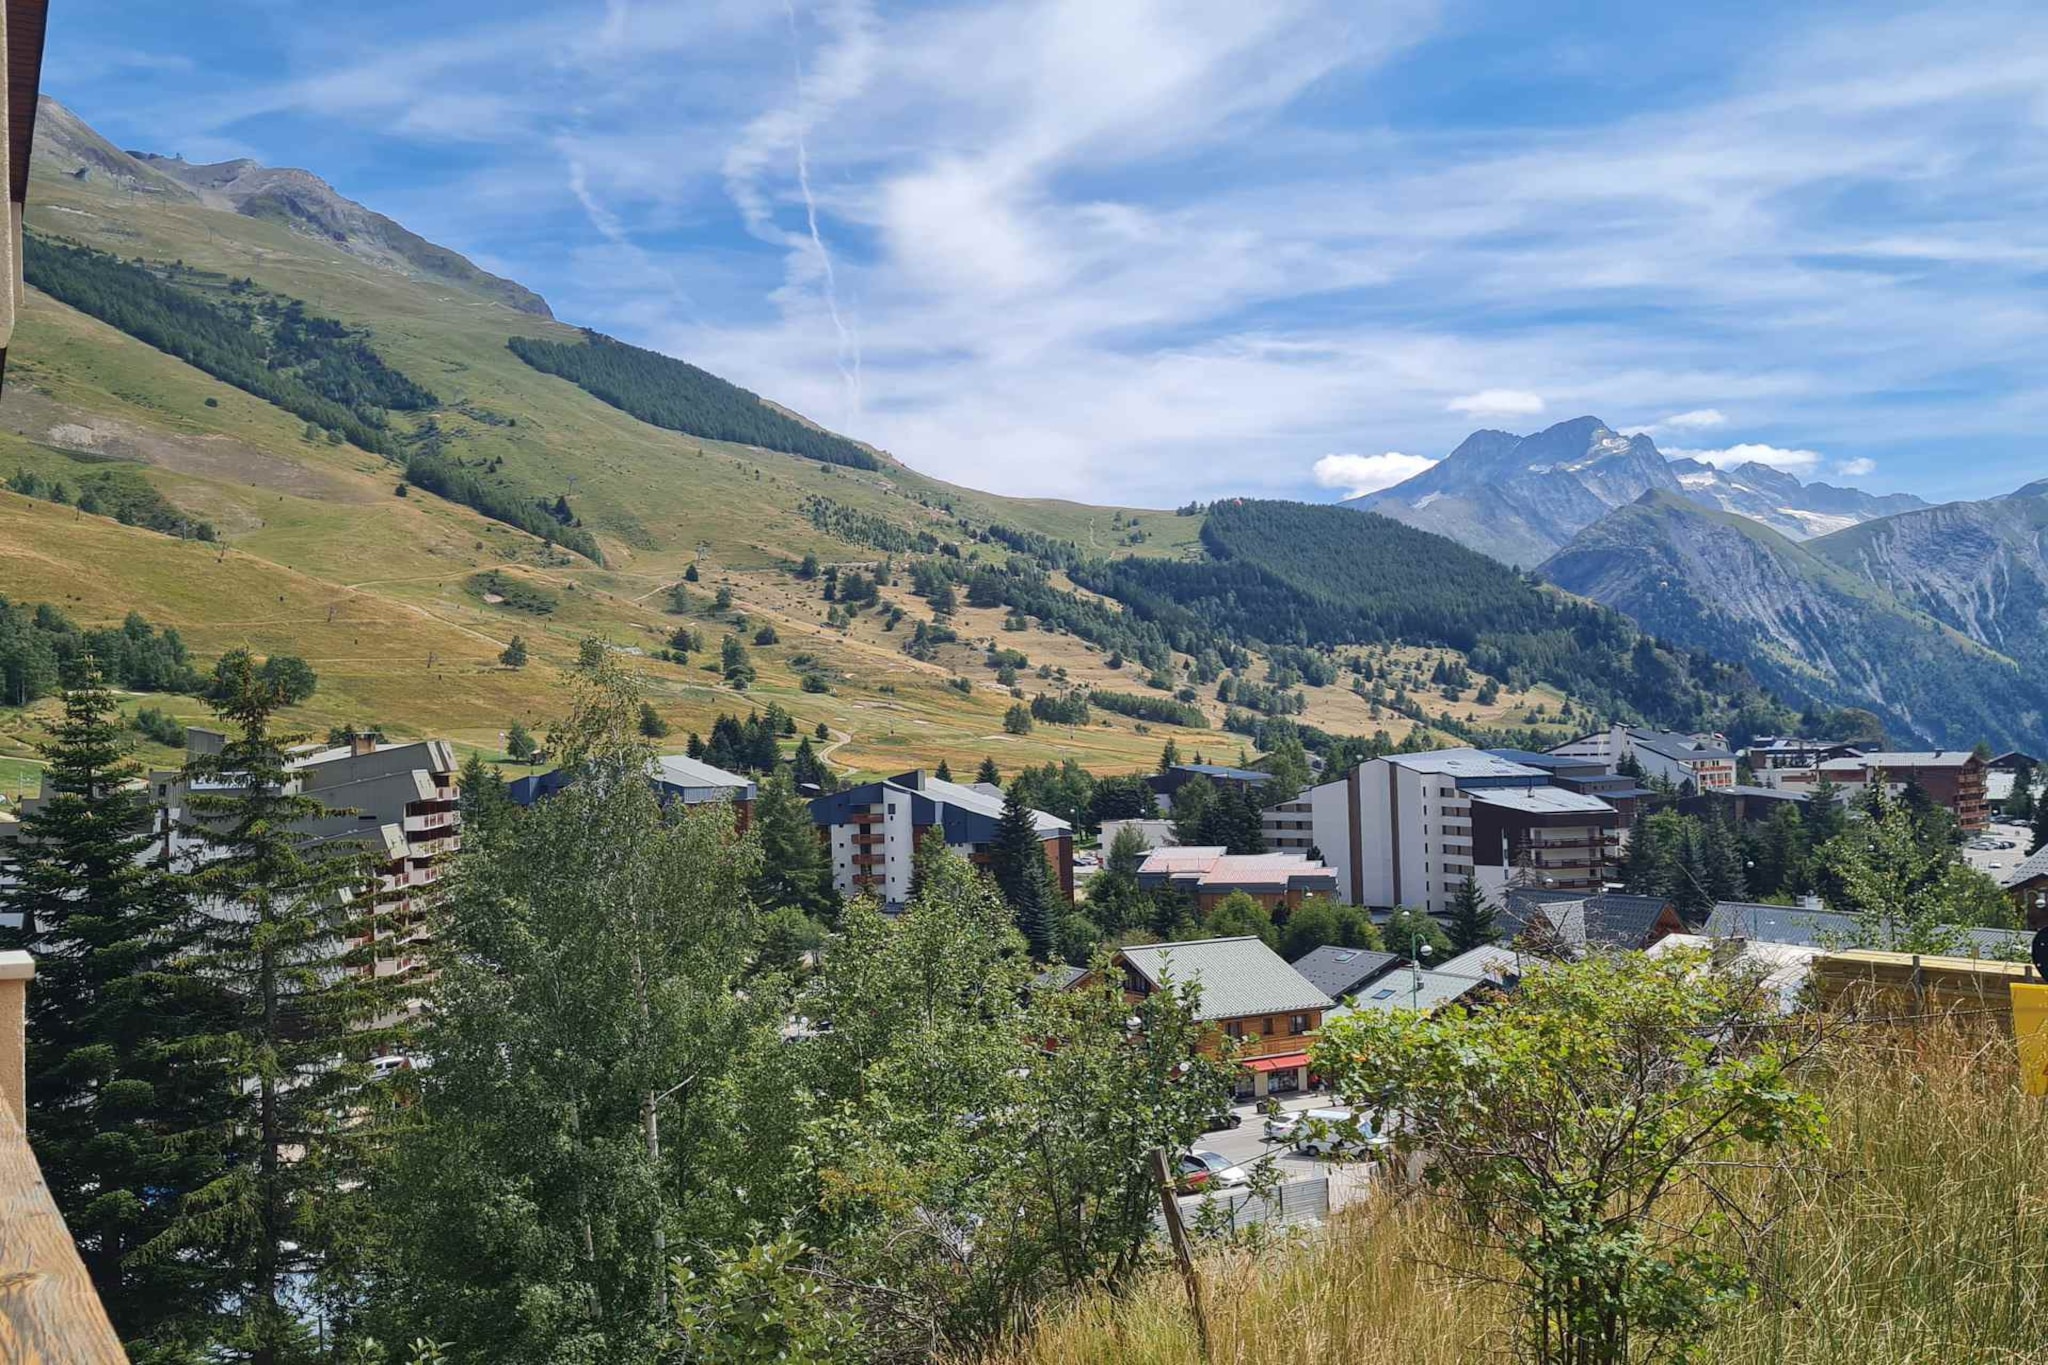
column 1337, row 972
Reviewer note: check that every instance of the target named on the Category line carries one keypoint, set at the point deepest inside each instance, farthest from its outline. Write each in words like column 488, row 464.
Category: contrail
column 849, row 341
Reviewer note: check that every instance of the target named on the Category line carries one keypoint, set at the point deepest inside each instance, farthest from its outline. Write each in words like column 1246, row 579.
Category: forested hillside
column 677, row 395
column 1283, row 573
column 313, row 367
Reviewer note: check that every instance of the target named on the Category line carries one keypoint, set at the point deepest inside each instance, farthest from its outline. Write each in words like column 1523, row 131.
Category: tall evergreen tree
column 807, row 772
column 2040, row 840
column 1038, row 909
column 1194, row 804
column 1169, row 756
column 1473, row 920
column 943, row 772
column 989, row 773
column 794, row 871
column 122, row 1120
column 288, row 931
column 1014, row 852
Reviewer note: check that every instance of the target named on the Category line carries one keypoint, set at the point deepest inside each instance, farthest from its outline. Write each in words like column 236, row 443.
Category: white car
column 1339, row 1132
column 1212, row 1169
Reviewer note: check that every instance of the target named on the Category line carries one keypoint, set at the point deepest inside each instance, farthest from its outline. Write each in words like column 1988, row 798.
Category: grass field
column 322, row 557
column 1921, row 1237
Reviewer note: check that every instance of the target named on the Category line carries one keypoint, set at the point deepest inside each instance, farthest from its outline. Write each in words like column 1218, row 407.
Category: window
column 1297, row 1024
column 1266, row 1027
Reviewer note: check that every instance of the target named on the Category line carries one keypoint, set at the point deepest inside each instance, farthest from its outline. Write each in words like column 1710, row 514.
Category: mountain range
column 1523, row 498
column 1935, row 620
column 306, row 429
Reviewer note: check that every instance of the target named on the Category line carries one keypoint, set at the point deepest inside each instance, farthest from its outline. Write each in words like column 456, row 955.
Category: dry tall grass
column 1920, row 1236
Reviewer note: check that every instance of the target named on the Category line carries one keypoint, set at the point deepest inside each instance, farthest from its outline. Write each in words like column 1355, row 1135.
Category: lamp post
column 1415, row 977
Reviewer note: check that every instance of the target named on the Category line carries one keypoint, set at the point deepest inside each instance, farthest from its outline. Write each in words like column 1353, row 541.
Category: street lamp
column 1415, row 977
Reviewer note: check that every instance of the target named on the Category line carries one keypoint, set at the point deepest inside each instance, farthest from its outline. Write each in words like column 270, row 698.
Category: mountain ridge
column 1805, row 619
column 1523, row 498
column 299, row 199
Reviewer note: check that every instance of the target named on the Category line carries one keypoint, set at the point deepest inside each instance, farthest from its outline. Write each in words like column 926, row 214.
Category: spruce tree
column 289, row 932
column 1169, row 757
column 806, row 770
column 1473, row 921
column 1015, row 850
column 1038, row 910
column 793, row 872
column 942, row 772
column 989, row 773
column 2040, row 840
column 124, row 1123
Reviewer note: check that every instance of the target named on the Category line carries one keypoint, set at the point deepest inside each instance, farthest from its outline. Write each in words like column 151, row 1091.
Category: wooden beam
column 49, row 1314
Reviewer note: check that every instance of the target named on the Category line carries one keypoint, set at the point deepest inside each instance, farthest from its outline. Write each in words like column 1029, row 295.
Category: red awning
column 1285, row 1062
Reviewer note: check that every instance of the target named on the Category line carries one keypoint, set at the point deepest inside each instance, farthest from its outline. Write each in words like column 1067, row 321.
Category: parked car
column 1200, row 1169
column 1291, row 1128
column 1222, row 1119
column 1339, row 1132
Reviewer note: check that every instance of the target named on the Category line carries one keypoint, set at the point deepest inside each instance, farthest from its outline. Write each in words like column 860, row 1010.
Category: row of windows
column 1297, row 1024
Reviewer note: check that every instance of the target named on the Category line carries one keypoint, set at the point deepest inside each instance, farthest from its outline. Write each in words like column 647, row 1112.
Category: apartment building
column 1697, row 762
column 677, row 778
column 1290, row 827
column 397, row 802
column 1408, row 829
column 1954, row 778
column 872, row 832
column 1165, row 784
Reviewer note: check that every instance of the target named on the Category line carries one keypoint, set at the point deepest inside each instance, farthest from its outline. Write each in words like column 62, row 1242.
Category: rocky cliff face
column 1781, row 502
column 1809, row 626
column 1522, row 498
column 299, row 199
column 1978, row 567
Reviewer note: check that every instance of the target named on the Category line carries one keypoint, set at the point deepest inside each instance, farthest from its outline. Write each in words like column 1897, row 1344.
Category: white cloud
column 1497, row 403
column 1699, row 419
column 1856, row 468
column 1361, row 474
column 1776, row 457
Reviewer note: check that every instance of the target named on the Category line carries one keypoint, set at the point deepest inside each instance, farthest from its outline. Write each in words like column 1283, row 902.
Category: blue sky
column 1145, row 251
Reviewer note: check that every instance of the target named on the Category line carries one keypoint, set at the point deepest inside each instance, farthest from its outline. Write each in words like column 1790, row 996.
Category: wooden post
column 16, row 971
column 1177, row 1234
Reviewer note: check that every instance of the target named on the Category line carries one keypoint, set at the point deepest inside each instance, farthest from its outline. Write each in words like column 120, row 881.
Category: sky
column 1144, row 251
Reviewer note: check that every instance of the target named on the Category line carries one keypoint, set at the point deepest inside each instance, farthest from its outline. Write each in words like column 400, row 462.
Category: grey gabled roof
column 1606, row 920
column 1423, row 991
column 1337, row 972
column 1237, row 976
column 1780, row 924
column 1828, row 929
column 2028, row 869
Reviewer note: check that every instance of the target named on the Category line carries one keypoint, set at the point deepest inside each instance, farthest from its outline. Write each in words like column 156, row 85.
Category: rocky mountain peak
column 297, row 199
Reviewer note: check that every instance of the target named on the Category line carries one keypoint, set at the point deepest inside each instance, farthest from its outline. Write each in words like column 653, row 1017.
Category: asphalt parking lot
column 1246, row 1144
column 1998, row 861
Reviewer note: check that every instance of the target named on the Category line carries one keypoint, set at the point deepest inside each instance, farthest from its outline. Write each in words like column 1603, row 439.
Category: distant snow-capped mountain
column 1522, row 498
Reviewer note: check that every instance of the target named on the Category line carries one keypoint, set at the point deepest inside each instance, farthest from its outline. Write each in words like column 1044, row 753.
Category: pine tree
column 989, row 773
column 1038, row 910
column 1473, row 921
column 485, row 803
column 807, row 772
column 287, row 932
column 1014, row 850
column 123, row 1125
column 942, row 772
column 514, row 655
column 1169, row 757
column 2040, row 840
column 793, row 869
